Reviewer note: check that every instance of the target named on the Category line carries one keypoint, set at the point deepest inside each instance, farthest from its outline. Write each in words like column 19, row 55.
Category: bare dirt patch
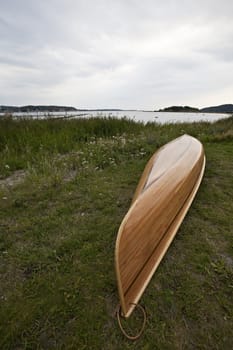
column 15, row 179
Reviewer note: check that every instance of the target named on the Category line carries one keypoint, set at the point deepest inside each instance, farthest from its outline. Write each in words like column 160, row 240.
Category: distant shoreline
column 225, row 108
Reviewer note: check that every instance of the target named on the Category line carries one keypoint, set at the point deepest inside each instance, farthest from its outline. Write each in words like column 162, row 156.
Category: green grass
column 58, row 229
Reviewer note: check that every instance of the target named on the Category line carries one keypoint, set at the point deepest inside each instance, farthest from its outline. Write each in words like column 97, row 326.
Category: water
column 166, row 117
column 142, row 116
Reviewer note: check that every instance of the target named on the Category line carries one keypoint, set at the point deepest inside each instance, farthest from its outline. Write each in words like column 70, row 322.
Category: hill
column 179, row 109
column 227, row 108
column 39, row 108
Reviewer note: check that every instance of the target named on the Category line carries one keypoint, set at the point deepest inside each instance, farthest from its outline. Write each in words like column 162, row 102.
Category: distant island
column 226, row 108
column 32, row 108
column 179, row 109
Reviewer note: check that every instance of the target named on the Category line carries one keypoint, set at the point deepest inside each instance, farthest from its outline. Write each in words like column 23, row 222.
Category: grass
column 58, row 225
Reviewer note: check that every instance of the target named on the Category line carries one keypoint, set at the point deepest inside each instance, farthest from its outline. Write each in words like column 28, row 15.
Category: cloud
column 107, row 53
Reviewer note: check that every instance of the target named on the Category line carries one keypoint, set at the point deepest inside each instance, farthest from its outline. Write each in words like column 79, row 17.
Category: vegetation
column 65, row 187
column 179, row 109
column 32, row 108
column 227, row 108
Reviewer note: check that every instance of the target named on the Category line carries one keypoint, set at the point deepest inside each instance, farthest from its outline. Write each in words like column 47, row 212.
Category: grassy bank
column 65, row 187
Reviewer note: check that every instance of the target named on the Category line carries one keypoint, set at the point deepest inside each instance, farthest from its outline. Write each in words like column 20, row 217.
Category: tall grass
column 24, row 142
column 58, row 230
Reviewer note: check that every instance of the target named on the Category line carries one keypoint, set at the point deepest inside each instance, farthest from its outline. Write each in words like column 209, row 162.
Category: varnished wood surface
column 164, row 194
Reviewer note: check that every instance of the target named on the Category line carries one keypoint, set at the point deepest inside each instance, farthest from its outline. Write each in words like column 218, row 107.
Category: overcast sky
column 143, row 54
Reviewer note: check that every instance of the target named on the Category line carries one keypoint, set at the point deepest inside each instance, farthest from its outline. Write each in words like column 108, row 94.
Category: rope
column 143, row 325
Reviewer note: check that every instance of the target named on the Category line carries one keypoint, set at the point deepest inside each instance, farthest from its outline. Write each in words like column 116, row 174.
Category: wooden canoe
column 164, row 194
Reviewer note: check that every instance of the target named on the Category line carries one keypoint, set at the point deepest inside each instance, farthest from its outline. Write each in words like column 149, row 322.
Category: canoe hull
column 162, row 199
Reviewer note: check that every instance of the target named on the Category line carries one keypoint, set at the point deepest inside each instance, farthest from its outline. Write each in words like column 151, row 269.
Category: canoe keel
column 164, row 194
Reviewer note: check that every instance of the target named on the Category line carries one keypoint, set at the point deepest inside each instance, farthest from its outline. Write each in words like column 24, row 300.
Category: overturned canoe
column 164, row 194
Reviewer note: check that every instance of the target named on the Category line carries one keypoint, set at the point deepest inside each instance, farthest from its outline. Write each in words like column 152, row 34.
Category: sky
column 129, row 54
